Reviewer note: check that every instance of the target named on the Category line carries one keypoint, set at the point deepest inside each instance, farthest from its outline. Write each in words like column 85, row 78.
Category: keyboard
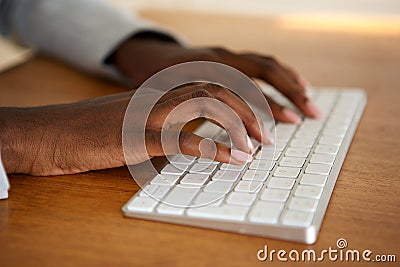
column 283, row 193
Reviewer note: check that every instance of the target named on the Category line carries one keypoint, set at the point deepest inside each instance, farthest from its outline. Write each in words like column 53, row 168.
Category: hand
column 87, row 135
column 139, row 58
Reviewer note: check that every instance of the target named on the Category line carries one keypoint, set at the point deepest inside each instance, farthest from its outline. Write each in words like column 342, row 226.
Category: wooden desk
column 76, row 220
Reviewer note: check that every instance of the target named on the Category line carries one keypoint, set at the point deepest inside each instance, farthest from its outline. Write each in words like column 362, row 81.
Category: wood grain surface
column 76, row 220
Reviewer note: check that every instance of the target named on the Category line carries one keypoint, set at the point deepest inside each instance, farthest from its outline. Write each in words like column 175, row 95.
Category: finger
column 282, row 113
column 253, row 126
column 278, row 77
column 159, row 144
column 298, row 78
column 289, row 85
column 271, row 71
column 200, row 103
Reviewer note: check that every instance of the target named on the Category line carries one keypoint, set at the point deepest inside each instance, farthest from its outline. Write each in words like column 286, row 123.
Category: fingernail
column 291, row 116
column 250, row 144
column 240, row 156
column 313, row 109
column 303, row 81
column 268, row 136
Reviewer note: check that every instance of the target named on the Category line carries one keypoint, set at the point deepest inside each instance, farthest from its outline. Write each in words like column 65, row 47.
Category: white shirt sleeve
column 4, row 184
column 81, row 32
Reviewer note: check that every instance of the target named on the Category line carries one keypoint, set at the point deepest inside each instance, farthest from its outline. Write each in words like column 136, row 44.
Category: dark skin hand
column 150, row 55
column 83, row 136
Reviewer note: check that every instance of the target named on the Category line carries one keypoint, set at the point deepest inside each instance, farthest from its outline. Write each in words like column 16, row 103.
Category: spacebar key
column 224, row 212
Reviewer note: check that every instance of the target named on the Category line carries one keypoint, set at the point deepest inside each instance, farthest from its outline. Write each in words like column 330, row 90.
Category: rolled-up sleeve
column 81, row 32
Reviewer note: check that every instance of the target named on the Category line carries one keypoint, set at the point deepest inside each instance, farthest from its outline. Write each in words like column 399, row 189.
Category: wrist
column 137, row 48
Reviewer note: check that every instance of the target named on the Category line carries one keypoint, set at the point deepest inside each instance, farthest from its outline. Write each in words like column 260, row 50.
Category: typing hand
column 87, row 135
column 139, row 58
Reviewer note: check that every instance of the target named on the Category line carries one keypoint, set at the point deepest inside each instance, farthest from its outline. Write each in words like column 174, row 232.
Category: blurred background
column 382, row 16
column 272, row 7
column 367, row 17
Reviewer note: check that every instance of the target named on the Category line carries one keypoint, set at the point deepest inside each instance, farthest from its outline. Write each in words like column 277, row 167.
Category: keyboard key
column 276, row 195
column 161, row 191
column 180, row 196
column 268, row 155
column 265, row 165
column 227, row 176
column 333, row 123
column 241, row 199
column 297, row 152
column 310, row 130
column 285, row 128
column 332, row 131
column 303, row 204
column 283, row 138
column 306, row 135
column 297, row 218
column 224, row 212
column 312, row 123
column 288, row 172
column 203, row 168
column 170, row 210
column 165, row 179
column 142, row 204
column 207, row 161
column 248, row 186
column 194, row 179
column 329, row 140
column 231, row 167
column 339, row 119
column 209, row 199
column 218, row 187
column 277, row 155
column 278, row 146
column 317, row 168
column 302, row 142
column 326, row 149
column 281, row 183
column 308, row 191
column 266, row 212
column 322, row 158
column 256, row 175
column 182, row 159
column 174, row 169
column 292, row 162
column 148, row 190
column 313, row 179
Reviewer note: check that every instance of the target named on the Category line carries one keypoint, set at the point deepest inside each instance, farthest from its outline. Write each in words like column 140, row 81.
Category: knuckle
column 206, row 55
column 200, row 93
column 152, row 137
column 235, row 125
column 220, row 50
column 216, row 89
column 186, row 139
column 271, row 63
column 271, row 59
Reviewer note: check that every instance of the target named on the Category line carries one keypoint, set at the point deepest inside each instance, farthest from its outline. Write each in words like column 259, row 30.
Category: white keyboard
column 283, row 193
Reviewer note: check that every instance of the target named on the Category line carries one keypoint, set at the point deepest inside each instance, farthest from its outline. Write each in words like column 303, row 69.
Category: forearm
column 63, row 139
column 15, row 133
